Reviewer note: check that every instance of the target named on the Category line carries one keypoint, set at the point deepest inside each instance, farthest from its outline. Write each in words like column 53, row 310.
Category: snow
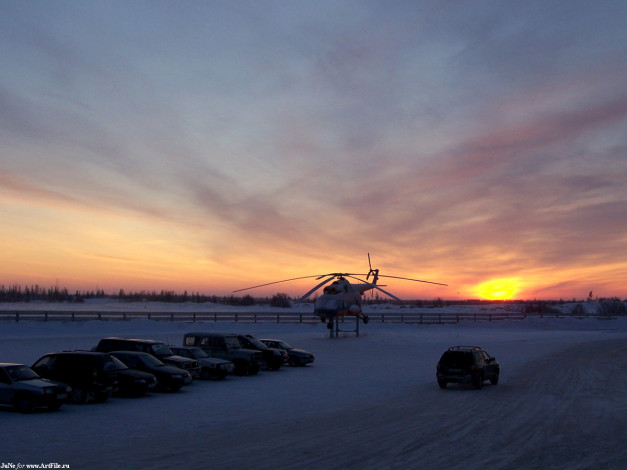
column 366, row 403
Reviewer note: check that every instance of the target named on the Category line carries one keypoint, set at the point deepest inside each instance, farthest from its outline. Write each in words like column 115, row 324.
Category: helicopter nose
column 327, row 303
column 327, row 307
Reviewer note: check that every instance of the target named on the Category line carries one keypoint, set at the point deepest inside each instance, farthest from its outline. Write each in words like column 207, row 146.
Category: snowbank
column 367, row 402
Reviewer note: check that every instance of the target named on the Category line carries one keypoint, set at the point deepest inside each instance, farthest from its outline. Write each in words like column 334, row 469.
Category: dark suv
column 158, row 349
column 467, row 364
column 89, row 374
column 226, row 346
column 273, row 358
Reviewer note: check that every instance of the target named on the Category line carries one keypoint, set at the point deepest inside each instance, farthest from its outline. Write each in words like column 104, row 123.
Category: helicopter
column 342, row 297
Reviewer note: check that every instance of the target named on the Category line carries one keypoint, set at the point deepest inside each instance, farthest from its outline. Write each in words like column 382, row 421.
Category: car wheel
column 253, row 369
column 494, row 379
column 24, row 404
column 442, row 383
column 79, row 395
column 293, row 362
column 205, row 373
column 477, row 382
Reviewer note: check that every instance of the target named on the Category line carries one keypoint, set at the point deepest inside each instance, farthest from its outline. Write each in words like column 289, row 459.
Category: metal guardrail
column 244, row 317
column 265, row 317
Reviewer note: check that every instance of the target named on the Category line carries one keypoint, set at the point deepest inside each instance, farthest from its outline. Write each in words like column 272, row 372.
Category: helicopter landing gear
column 334, row 325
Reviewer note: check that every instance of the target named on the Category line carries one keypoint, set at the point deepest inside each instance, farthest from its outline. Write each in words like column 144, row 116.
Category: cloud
column 474, row 140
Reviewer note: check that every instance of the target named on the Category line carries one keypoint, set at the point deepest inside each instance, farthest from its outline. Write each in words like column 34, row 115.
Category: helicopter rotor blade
column 415, row 280
column 326, row 281
column 386, row 292
column 278, row 282
column 330, row 274
column 352, row 276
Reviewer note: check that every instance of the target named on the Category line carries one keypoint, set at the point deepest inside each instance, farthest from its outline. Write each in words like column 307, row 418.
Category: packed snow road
column 566, row 411
column 366, row 403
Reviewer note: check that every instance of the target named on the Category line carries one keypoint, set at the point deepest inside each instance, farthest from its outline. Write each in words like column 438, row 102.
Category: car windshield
column 284, row 345
column 19, row 373
column 119, row 365
column 150, row 361
column 161, row 349
column 199, row 353
column 256, row 342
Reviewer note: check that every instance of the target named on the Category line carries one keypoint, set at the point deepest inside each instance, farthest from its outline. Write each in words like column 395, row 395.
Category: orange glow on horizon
column 82, row 250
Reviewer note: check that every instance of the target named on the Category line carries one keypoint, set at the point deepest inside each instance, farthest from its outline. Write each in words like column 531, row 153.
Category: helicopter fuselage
column 340, row 298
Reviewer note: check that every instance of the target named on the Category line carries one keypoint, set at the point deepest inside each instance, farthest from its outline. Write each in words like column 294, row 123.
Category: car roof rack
column 464, row 348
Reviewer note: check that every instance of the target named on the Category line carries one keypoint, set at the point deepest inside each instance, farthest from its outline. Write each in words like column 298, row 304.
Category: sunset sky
column 209, row 146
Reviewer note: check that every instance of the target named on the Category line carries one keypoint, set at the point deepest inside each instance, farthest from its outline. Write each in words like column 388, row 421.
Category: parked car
column 21, row 387
column 467, row 364
column 226, row 346
column 273, row 358
column 210, row 367
column 91, row 375
column 295, row 357
column 157, row 348
column 169, row 378
column 131, row 382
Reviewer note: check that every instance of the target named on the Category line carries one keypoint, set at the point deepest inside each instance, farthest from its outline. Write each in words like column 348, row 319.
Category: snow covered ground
column 366, row 403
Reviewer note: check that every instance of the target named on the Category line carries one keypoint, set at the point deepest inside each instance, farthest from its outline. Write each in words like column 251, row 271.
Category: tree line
column 18, row 293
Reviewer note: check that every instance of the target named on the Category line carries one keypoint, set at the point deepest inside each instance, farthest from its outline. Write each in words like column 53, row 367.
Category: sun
column 498, row 289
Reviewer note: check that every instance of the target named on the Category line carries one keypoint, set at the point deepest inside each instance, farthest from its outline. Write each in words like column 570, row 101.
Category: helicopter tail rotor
column 373, row 272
